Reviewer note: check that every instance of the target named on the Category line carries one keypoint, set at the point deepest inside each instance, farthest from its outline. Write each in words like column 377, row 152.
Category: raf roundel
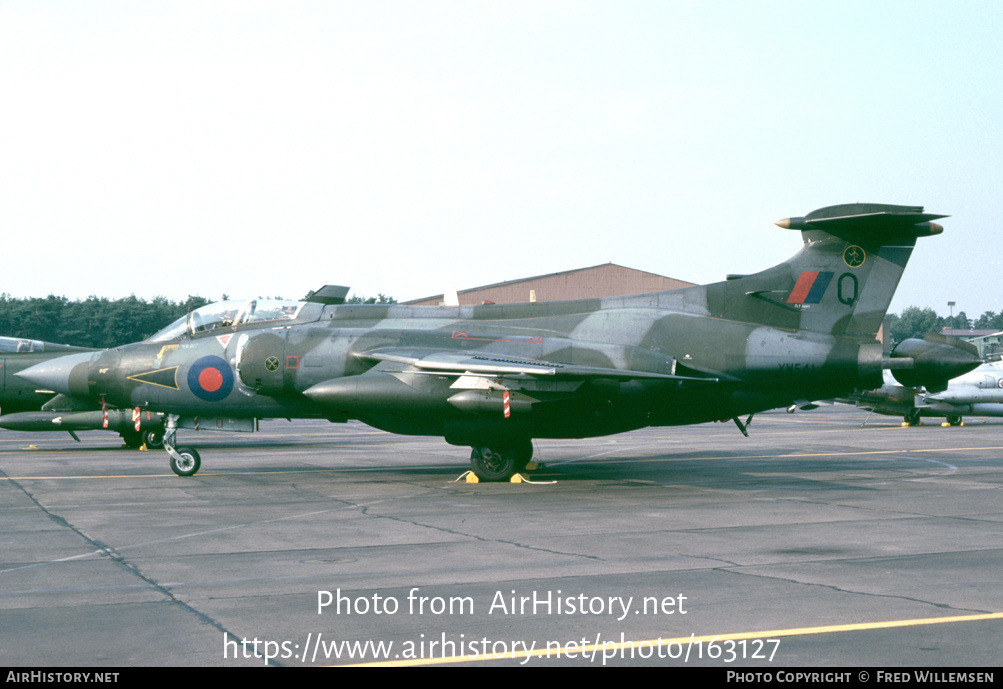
column 210, row 378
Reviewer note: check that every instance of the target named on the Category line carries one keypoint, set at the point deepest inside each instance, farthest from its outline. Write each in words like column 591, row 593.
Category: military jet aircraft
column 17, row 354
column 977, row 393
column 497, row 376
column 27, row 408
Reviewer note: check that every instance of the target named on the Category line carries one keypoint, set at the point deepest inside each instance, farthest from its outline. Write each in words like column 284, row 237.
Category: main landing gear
column 185, row 461
column 501, row 461
column 151, row 438
column 154, row 439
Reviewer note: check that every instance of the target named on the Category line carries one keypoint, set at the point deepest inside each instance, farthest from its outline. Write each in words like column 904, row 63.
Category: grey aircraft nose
column 65, row 374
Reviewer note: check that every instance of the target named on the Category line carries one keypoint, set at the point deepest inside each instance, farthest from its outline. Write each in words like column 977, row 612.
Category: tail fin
column 842, row 280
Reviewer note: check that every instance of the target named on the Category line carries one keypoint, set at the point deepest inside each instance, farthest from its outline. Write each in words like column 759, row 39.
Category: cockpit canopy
column 22, row 345
column 10, row 345
column 223, row 314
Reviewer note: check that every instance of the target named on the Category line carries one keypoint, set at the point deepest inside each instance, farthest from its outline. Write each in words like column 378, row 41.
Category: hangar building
column 605, row 280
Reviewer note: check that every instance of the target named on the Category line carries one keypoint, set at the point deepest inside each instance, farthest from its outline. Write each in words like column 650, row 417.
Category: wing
column 476, row 377
column 499, row 366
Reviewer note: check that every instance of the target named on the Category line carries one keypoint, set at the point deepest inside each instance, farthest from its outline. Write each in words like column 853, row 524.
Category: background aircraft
column 976, row 393
column 496, row 376
column 26, row 407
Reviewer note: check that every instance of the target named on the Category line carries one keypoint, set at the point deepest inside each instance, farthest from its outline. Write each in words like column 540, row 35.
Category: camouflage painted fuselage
column 804, row 329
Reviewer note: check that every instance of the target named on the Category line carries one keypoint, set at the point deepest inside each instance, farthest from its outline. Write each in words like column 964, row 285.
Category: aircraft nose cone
column 64, row 374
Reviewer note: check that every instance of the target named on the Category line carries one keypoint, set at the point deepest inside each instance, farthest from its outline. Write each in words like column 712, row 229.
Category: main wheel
column 499, row 464
column 912, row 418
column 154, row 438
column 954, row 420
column 492, row 465
column 187, row 462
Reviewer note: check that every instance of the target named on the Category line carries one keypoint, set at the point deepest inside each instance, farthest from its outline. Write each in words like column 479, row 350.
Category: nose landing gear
column 185, row 461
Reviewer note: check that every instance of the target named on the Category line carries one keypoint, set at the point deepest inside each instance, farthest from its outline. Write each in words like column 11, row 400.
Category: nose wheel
column 185, row 461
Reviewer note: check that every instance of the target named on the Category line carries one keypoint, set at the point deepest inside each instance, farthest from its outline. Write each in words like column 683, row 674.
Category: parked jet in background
column 17, row 354
column 25, row 407
column 977, row 393
column 496, row 376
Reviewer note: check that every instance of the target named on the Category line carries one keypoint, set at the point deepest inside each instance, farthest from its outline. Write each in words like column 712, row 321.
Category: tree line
column 100, row 322
column 93, row 322
column 916, row 322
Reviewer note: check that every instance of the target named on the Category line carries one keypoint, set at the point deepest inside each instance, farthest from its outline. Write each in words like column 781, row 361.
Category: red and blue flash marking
column 810, row 287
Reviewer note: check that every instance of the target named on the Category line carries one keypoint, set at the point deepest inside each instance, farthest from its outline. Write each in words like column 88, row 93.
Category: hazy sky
column 267, row 148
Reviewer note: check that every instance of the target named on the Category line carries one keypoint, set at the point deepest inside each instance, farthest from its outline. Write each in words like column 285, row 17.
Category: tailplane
column 842, row 280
